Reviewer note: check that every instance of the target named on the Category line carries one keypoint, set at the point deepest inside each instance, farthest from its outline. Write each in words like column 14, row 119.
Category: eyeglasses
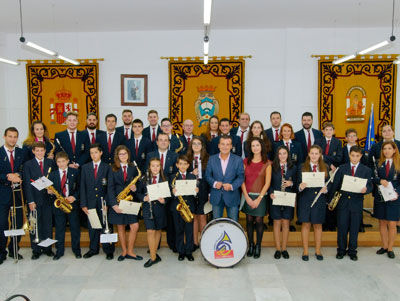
column 122, row 154
column 166, row 125
column 196, row 143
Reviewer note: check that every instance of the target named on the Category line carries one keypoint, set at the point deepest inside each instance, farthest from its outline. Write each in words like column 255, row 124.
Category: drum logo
column 223, row 247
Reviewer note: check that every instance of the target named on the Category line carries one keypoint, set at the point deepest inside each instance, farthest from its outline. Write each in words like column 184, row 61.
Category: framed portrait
column 133, row 89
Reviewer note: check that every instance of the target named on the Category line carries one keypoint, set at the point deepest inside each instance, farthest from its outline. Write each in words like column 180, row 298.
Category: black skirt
column 115, row 218
column 314, row 215
column 156, row 219
column 202, row 197
column 389, row 211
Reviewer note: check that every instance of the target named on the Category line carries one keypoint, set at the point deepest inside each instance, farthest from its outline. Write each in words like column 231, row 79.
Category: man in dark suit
column 274, row 131
column 151, row 132
column 224, row 126
column 113, row 139
column 94, row 135
column 11, row 160
column 187, row 135
column 139, row 145
column 225, row 175
column 37, row 200
column 93, row 188
column 75, row 143
column 350, row 205
column 174, row 142
column 307, row 135
column 126, row 129
column 242, row 131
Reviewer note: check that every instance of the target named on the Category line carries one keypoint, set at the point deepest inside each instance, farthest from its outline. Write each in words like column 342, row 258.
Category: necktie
column 93, row 139
column 276, row 136
column 387, row 168
column 73, row 141
column 328, row 143
column 309, row 141
column 213, row 136
column 282, row 170
column 352, row 170
column 153, row 137
column 41, row 167
column 154, row 180
column 183, row 177
column 287, row 145
column 126, row 133
column 109, row 143
column 314, row 168
column 242, row 135
column 188, row 140
column 63, row 182
column 95, row 171
column 137, row 147
column 125, row 174
column 11, row 160
column 162, row 160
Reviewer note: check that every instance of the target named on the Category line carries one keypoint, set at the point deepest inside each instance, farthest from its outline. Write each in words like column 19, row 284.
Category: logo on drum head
column 223, row 247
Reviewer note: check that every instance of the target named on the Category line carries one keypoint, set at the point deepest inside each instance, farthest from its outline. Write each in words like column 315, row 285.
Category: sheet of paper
column 41, row 183
column 94, row 219
column 207, row 208
column 108, row 238
column 129, row 207
column 388, row 193
column 17, row 232
column 185, row 187
column 160, row 190
column 353, row 184
column 283, row 198
column 313, row 179
column 47, row 243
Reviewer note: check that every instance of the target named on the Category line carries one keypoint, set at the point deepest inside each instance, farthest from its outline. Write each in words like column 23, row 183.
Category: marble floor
column 372, row 277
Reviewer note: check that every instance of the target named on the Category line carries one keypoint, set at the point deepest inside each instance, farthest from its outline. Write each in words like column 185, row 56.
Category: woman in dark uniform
column 120, row 177
column 212, row 131
column 286, row 138
column 197, row 154
column 38, row 132
column 257, row 130
column 315, row 215
column 282, row 169
column 388, row 213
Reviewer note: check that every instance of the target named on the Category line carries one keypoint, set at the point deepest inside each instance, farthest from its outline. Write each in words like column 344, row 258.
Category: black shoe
column 110, row 256
column 292, row 228
column 2, row 260
column 137, row 257
column 319, row 257
column 89, row 254
column 78, row 255
column 304, row 257
column 35, row 256
column 149, row 263
column 257, row 251
column 250, row 252
column 391, row 254
column 277, row 254
column 285, row 254
column 190, row 257
column 339, row 256
column 19, row 256
column 148, row 251
column 195, row 247
column 398, row 229
column 181, row 257
column 57, row 257
column 353, row 257
column 381, row 251
column 49, row 253
column 121, row 258
column 158, row 258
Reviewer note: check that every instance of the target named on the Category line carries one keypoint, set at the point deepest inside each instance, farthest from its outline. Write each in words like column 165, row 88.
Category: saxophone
column 182, row 207
column 180, row 144
column 124, row 194
column 60, row 202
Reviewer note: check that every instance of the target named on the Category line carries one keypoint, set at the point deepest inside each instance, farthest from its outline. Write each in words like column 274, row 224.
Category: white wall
column 281, row 75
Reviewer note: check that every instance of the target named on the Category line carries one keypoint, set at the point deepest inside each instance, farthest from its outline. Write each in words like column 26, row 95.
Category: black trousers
column 170, row 228
column 61, row 225
column 94, row 235
column 44, row 227
column 330, row 218
column 183, row 232
column 348, row 224
column 4, row 225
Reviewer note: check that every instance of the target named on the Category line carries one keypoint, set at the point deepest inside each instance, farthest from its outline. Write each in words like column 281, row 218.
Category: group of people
column 240, row 168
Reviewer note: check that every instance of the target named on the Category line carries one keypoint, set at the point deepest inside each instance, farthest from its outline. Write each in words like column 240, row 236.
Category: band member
column 151, row 132
column 187, row 135
column 273, row 133
column 284, row 175
column 94, row 135
column 126, row 129
column 66, row 182
column 174, row 142
column 114, row 138
column 350, row 205
column 294, row 147
column 154, row 212
column 242, row 131
column 257, row 179
column 212, row 131
column 315, row 215
column 139, row 146
column 351, row 139
column 39, row 200
column 375, row 151
column 119, row 178
column 257, row 130
column 388, row 213
column 183, row 230
column 197, row 154
column 38, row 132
column 307, row 135
column 93, row 188
column 225, row 175
column 11, row 160
column 75, row 143
column 224, row 126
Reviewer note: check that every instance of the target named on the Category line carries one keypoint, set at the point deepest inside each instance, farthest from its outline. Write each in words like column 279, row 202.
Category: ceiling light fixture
column 343, row 59
column 205, row 59
column 207, row 11
column 74, row 62
column 8, row 62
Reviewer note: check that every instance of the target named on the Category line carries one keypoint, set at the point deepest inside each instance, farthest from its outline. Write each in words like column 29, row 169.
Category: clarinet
column 150, row 202
column 376, row 176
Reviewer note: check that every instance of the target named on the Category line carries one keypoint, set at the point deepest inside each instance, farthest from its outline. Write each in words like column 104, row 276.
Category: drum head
column 223, row 243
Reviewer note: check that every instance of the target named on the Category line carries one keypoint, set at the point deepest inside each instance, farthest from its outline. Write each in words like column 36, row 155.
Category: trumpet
column 34, row 226
column 105, row 218
column 335, row 200
column 182, row 207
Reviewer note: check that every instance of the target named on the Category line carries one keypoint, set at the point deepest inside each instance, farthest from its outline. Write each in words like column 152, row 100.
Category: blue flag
column 371, row 131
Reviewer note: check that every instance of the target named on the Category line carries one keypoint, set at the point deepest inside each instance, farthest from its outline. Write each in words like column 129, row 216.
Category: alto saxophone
column 124, row 194
column 60, row 202
column 182, row 207
column 180, row 144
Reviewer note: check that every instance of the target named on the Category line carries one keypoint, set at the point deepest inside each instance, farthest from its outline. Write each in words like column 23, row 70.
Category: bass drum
column 223, row 243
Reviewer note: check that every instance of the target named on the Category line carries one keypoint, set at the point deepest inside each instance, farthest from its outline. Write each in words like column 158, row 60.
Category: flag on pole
column 371, row 131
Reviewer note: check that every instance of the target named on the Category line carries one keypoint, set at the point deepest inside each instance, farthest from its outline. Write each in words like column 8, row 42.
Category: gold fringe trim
column 58, row 61
column 210, row 58
column 358, row 57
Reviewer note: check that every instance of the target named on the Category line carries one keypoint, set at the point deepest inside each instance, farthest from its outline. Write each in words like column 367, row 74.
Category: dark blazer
column 119, row 139
column 346, row 158
column 375, row 151
column 300, row 137
column 335, row 154
column 148, row 133
column 169, row 162
column 270, row 134
column 236, row 146
column 188, row 198
column 72, row 182
column 121, row 130
column 296, row 152
column 5, row 168
column 276, row 180
column 100, row 136
column 91, row 189
column 234, row 175
column 145, row 147
column 381, row 175
column 185, row 144
column 30, row 155
column 116, row 184
column 32, row 172
column 82, row 144
column 174, row 144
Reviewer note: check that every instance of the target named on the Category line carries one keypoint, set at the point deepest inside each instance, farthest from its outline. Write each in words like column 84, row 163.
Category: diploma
column 47, row 243
column 41, row 183
column 17, row 232
column 94, row 219
column 283, row 198
column 160, row 190
column 353, row 184
column 185, row 187
column 207, row 208
column 108, row 238
column 129, row 207
column 313, row 179
column 388, row 193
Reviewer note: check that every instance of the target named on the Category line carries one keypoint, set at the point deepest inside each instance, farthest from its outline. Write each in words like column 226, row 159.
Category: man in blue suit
column 151, row 132
column 225, row 175
column 113, row 139
column 224, row 126
column 139, row 145
column 126, row 129
column 94, row 135
column 11, row 160
column 274, row 131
